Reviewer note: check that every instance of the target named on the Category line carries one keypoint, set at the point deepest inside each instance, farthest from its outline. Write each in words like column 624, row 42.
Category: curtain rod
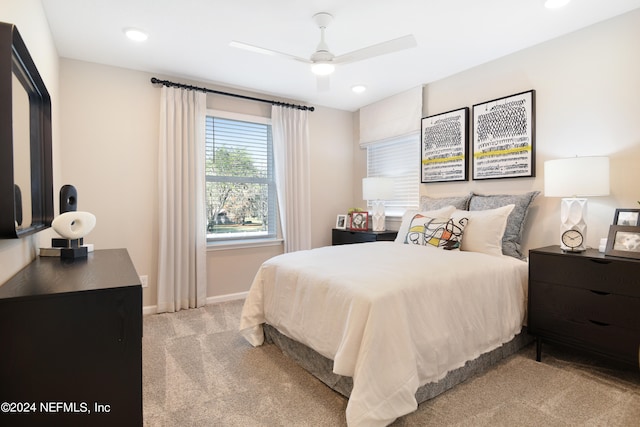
column 217, row 92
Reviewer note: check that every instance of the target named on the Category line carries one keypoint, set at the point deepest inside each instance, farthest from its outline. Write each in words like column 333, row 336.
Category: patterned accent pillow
column 430, row 203
column 511, row 241
column 439, row 232
column 444, row 212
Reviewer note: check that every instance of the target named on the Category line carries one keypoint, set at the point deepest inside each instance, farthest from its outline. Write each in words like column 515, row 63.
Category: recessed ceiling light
column 136, row 34
column 555, row 4
column 359, row 88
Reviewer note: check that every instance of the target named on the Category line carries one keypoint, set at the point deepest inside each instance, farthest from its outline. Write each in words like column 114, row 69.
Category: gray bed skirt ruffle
column 321, row 367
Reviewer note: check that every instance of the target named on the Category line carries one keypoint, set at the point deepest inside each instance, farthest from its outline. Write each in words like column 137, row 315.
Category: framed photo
column 360, row 221
column 627, row 217
column 623, row 241
column 504, row 136
column 341, row 222
column 444, row 141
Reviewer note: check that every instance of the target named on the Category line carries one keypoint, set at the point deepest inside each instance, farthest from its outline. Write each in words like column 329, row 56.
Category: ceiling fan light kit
column 322, row 68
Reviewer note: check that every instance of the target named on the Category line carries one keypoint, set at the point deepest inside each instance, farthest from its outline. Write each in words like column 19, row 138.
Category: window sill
column 242, row 244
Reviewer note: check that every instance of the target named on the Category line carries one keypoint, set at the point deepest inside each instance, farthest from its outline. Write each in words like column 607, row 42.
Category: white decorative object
column 74, row 225
column 376, row 190
column 603, row 245
column 574, row 179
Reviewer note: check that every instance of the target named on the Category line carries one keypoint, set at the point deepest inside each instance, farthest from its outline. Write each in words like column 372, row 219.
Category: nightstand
column 344, row 237
column 585, row 300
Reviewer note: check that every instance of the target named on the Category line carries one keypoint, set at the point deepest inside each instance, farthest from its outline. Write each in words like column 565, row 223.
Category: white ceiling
column 190, row 39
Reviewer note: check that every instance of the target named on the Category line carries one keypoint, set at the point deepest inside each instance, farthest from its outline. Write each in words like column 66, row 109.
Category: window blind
column 240, row 183
column 397, row 158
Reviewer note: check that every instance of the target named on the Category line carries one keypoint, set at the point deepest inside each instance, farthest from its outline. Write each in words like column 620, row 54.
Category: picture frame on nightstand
column 341, row 221
column 627, row 217
column 359, row 221
column 623, row 241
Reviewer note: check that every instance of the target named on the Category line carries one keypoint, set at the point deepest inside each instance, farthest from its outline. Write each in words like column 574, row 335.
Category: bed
column 391, row 319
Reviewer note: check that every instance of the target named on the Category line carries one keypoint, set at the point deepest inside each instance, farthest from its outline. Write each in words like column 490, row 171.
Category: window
column 240, row 187
column 398, row 158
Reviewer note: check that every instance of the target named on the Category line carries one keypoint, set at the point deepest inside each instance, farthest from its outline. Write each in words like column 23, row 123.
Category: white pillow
column 408, row 216
column 484, row 229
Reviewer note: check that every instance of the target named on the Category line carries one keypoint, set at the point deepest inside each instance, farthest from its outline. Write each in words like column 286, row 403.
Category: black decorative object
column 68, row 199
column 504, row 134
column 72, row 226
column 25, row 140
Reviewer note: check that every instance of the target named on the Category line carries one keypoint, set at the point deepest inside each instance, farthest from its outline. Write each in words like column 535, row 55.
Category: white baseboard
column 228, row 297
column 153, row 309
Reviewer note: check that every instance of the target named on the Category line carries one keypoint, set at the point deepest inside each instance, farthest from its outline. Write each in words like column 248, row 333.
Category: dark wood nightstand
column 344, row 237
column 585, row 300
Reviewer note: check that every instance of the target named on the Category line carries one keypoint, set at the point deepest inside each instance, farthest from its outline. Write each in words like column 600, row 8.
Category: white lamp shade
column 377, row 188
column 576, row 177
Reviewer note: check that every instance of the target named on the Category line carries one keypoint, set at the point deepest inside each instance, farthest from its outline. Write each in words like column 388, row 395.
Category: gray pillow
column 515, row 223
column 430, row 203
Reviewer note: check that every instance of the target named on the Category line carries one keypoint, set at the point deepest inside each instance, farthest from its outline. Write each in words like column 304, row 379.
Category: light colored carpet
column 199, row 371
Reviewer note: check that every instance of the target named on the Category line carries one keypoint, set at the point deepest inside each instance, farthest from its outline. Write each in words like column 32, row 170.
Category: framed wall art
column 504, row 135
column 627, row 217
column 444, row 142
column 623, row 241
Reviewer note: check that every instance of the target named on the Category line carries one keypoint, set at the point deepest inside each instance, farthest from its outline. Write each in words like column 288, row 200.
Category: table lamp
column 574, row 179
column 376, row 190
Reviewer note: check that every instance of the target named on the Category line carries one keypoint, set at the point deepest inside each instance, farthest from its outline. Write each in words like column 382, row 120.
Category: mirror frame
column 14, row 55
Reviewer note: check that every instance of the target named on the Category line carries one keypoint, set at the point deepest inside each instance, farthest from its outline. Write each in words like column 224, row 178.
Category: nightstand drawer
column 597, row 274
column 575, row 304
column 612, row 341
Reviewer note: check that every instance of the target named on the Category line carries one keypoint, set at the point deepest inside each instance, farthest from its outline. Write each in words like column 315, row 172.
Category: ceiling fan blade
column 383, row 48
column 264, row 51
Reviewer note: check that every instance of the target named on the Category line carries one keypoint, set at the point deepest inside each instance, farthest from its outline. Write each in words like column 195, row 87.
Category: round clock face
column 572, row 238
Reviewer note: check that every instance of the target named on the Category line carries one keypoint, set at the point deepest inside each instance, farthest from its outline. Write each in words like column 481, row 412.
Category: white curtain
column 291, row 155
column 181, row 176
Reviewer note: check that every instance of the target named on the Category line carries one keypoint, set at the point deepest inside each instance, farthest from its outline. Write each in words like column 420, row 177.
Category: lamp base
column 573, row 212
column 377, row 215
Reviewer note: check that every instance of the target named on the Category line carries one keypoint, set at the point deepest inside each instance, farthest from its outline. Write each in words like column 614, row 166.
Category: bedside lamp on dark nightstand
column 376, row 190
column 574, row 179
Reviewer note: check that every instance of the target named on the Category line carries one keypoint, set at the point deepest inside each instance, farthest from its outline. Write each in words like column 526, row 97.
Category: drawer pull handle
column 595, row 322
column 600, row 261
column 600, row 292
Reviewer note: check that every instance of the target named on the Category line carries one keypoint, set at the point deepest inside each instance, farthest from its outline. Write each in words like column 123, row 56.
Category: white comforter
column 392, row 316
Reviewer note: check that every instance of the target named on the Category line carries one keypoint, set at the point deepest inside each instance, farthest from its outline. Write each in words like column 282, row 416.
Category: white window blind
column 397, row 158
column 240, row 186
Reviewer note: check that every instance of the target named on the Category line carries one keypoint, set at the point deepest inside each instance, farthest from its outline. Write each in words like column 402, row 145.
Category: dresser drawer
column 596, row 274
column 582, row 305
column 609, row 340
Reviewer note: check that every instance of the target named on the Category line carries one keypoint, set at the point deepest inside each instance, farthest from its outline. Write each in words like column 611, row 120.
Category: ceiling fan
column 323, row 61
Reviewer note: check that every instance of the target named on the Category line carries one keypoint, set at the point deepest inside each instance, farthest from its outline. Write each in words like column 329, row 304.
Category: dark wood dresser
column 585, row 300
column 71, row 343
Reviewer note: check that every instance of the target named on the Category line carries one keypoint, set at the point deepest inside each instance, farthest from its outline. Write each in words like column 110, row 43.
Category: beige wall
column 28, row 16
column 587, row 103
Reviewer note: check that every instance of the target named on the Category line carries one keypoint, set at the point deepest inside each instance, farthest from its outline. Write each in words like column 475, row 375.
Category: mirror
column 26, row 176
